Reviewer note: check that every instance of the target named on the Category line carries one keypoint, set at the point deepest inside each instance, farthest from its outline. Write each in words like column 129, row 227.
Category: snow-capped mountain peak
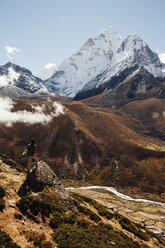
column 82, row 66
column 132, row 42
column 108, row 37
column 101, row 58
column 15, row 77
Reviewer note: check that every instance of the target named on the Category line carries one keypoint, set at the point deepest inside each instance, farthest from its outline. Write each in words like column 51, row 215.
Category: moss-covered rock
column 43, row 179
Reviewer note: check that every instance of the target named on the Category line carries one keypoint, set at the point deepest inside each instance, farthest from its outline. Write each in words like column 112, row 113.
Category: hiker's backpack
column 31, row 150
column 24, row 154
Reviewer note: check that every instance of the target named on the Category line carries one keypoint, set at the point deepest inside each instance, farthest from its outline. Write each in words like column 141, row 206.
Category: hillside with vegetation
column 46, row 216
column 93, row 144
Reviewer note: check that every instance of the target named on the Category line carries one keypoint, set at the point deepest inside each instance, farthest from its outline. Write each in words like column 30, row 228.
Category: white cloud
column 11, row 51
column 162, row 57
column 47, row 71
column 49, row 66
column 9, row 118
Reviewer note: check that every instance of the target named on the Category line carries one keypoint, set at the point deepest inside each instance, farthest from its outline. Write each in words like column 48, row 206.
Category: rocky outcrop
column 44, row 180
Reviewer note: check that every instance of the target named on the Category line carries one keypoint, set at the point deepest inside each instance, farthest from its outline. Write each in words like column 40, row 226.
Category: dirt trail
column 11, row 180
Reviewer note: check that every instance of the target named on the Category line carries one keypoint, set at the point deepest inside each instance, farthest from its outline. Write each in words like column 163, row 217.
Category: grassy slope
column 93, row 226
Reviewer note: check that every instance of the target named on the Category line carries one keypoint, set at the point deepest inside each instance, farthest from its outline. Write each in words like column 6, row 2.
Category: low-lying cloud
column 38, row 116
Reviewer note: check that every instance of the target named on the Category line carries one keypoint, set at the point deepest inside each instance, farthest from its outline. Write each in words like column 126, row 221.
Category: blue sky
column 36, row 32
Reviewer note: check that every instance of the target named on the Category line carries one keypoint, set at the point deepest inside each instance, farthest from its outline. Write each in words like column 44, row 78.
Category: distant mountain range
column 103, row 65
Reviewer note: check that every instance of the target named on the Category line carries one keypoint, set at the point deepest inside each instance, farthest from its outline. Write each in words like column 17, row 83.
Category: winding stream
column 114, row 191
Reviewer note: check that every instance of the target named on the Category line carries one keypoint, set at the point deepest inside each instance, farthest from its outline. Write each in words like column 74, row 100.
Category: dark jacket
column 31, row 149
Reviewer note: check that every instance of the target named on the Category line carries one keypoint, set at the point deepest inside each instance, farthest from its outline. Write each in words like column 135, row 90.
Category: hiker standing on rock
column 31, row 155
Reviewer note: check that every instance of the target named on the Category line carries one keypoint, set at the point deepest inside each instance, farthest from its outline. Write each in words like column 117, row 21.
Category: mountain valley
column 87, row 143
column 99, row 120
column 41, row 217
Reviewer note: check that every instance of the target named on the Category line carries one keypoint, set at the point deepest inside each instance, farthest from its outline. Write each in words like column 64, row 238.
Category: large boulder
column 43, row 180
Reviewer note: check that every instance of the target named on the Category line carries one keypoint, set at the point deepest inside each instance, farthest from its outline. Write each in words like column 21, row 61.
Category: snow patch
column 155, row 71
column 162, row 57
column 59, row 109
column 10, row 78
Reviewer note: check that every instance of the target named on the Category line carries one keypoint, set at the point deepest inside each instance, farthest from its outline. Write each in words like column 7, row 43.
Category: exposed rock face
column 123, row 89
column 42, row 177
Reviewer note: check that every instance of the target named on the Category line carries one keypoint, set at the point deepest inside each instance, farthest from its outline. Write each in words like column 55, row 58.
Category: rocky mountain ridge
column 132, row 84
column 16, row 81
column 101, row 59
column 101, row 64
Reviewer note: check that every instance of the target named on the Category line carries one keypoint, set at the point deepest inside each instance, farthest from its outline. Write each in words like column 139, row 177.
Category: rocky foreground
column 37, row 211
